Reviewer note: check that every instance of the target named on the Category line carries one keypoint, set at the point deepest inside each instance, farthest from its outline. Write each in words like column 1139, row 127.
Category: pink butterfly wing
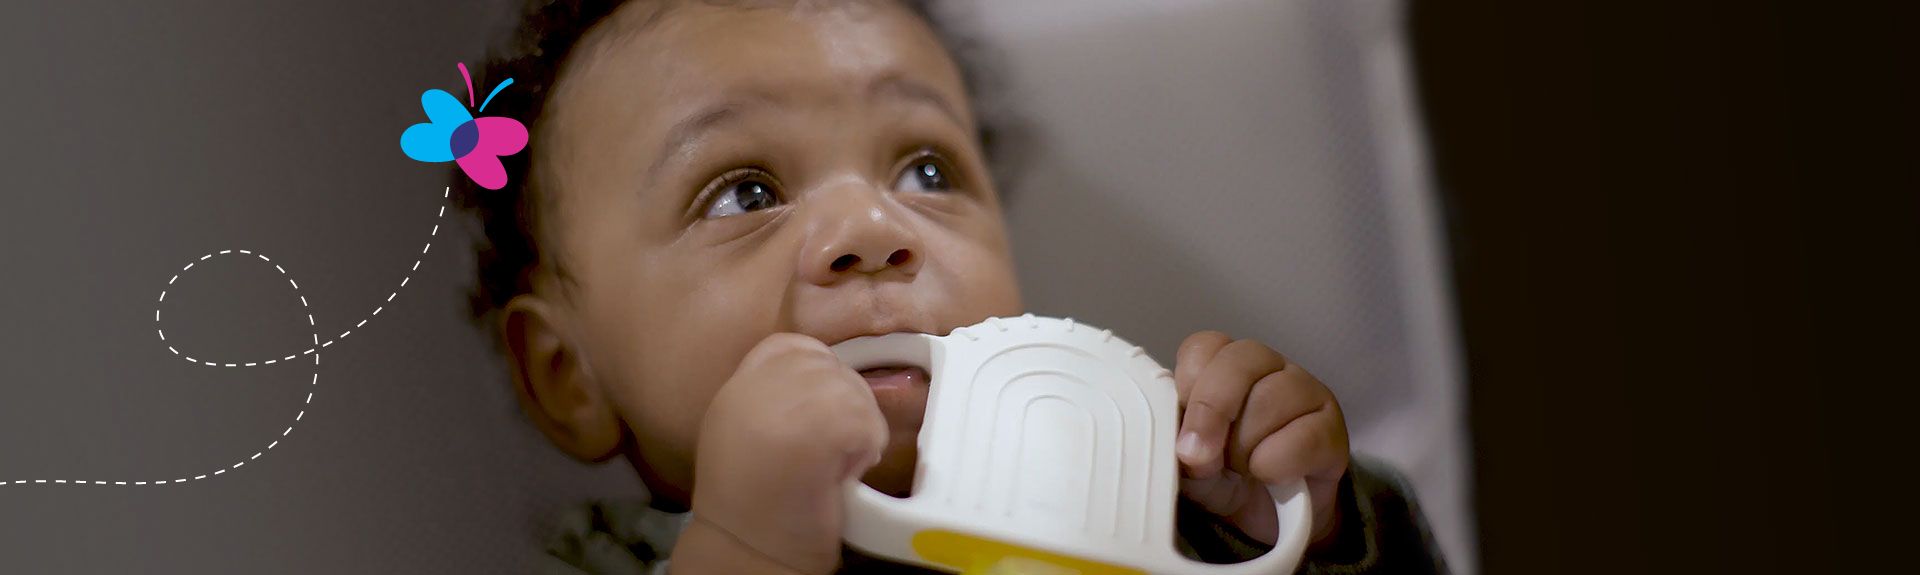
column 485, row 169
column 499, row 136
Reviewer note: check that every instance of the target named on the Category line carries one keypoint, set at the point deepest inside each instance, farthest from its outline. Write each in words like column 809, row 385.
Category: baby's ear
column 556, row 388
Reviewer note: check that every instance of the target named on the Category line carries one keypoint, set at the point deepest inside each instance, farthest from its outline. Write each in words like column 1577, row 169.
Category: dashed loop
column 446, row 193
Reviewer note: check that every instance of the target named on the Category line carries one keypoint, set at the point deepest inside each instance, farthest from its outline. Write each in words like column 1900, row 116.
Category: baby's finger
column 1275, row 402
column 1193, row 357
column 1221, row 495
column 1216, row 400
column 1313, row 447
column 781, row 347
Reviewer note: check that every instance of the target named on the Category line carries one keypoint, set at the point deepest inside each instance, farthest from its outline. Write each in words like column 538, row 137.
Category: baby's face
column 721, row 174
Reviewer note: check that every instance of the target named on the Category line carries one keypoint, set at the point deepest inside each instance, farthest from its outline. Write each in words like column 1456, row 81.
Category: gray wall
column 143, row 135
column 1246, row 166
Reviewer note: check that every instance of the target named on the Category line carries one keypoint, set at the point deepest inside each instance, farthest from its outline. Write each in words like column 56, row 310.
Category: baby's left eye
column 925, row 174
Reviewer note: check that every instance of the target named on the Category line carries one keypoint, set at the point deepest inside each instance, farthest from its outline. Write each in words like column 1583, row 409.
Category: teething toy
column 1048, row 444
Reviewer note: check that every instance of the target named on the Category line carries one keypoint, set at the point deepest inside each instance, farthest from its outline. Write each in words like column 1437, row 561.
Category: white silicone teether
column 1043, row 440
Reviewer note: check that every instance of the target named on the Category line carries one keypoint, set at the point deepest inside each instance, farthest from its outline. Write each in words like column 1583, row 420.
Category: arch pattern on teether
column 1075, row 475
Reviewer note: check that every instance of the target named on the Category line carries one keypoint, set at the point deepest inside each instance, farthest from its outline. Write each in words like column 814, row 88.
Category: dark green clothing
column 1382, row 533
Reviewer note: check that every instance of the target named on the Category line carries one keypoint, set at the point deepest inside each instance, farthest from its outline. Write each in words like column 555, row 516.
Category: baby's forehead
column 695, row 40
column 652, row 69
column 662, row 62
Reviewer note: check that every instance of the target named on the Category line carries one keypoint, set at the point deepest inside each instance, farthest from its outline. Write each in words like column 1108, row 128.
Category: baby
column 715, row 192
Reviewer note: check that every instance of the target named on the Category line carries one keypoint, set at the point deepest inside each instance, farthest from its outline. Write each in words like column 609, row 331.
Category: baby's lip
column 840, row 337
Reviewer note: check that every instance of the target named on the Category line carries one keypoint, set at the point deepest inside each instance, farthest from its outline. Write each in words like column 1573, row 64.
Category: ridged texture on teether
column 1059, row 433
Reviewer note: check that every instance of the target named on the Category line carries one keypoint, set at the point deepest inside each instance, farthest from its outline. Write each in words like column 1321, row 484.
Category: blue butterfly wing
column 443, row 108
column 428, row 142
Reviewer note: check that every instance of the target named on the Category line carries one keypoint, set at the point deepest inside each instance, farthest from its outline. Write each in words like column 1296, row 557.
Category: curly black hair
column 549, row 30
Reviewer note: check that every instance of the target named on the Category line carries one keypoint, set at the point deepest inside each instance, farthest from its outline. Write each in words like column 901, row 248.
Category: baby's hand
column 1251, row 419
column 777, row 444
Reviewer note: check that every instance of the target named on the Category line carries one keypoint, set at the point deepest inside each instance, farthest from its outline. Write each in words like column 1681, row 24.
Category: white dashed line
column 445, row 193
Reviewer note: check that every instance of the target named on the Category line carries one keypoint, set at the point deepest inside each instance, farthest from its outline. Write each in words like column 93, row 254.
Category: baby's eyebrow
column 898, row 86
column 687, row 130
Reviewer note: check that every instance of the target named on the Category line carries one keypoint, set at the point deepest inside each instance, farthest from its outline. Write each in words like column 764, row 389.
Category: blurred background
column 1607, row 280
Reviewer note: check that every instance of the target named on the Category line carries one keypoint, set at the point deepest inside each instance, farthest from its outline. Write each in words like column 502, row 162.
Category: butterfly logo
column 453, row 135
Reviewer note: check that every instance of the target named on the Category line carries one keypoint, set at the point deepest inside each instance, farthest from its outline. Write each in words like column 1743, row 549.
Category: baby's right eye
column 742, row 194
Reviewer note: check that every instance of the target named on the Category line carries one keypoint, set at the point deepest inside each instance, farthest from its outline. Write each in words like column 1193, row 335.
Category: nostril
column 899, row 257
column 845, row 262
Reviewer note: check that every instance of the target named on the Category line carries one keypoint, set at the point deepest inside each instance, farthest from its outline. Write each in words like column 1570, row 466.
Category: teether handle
column 881, row 525
column 1294, row 511
column 876, row 522
column 892, row 349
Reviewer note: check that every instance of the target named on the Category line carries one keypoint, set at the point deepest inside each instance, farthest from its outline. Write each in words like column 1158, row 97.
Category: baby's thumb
column 858, row 462
column 868, row 445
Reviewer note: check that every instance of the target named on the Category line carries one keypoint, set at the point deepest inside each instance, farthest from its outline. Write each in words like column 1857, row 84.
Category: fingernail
column 1190, row 449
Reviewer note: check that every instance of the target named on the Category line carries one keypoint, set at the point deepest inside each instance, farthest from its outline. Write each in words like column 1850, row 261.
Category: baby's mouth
column 901, row 392
column 895, row 377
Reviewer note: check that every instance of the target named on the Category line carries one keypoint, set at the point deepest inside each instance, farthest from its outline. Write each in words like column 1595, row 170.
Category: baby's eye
column 742, row 196
column 926, row 173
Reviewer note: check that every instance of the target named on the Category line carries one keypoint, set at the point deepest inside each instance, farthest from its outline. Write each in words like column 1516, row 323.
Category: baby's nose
column 861, row 233
column 853, row 262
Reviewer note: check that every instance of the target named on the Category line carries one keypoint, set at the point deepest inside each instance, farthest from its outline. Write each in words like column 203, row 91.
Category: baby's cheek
column 990, row 286
column 663, row 394
column 673, row 402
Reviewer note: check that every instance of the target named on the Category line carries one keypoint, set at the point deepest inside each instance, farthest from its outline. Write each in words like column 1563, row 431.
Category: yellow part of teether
column 1018, row 566
column 986, row 557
